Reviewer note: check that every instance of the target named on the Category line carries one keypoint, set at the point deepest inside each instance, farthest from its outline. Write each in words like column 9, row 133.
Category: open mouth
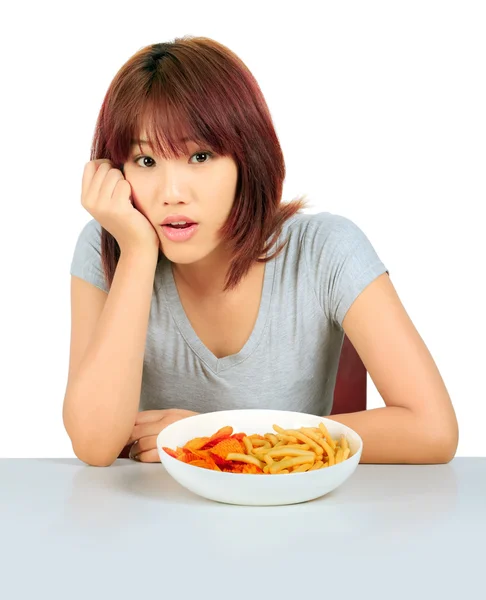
column 179, row 232
column 179, row 226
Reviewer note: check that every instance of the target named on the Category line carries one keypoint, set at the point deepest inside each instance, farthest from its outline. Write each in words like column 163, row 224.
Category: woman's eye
column 140, row 157
column 210, row 154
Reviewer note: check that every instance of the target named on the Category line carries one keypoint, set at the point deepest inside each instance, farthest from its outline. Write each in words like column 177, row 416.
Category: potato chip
column 170, row 452
column 196, row 443
column 223, row 432
column 206, row 456
column 200, row 463
column 224, row 447
column 188, row 455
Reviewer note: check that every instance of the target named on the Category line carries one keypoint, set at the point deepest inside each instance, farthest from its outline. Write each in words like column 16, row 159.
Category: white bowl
column 250, row 489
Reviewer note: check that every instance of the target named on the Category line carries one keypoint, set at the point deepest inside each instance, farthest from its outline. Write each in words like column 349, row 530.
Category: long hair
column 197, row 88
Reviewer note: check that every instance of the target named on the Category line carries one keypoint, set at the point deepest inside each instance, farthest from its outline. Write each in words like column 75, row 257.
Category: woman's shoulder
column 321, row 223
column 320, row 231
column 328, row 234
column 90, row 234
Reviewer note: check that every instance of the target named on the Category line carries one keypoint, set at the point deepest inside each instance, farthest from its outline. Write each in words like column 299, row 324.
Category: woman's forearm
column 102, row 399
column 394, row 434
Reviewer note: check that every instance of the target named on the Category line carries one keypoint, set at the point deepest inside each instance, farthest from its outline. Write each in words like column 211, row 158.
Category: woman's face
column 199, row 186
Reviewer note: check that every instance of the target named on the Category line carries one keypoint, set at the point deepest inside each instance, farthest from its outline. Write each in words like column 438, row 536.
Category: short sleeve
column 342, row 263
column 86, row 261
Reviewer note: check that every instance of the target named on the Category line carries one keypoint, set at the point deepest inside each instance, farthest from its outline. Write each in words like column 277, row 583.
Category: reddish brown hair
column 197, row 88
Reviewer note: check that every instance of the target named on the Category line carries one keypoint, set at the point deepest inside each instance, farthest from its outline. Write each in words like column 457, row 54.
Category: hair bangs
column 167, row 118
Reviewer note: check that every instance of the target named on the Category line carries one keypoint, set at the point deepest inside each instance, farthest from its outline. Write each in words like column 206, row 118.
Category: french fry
column 329, row 451
column 273, row 439
column 260, row 452
column 339, row 455
column 299, row 446
column 248, row 444
column 269, row 460
column 287, row 438
column 331, row 457
column 313, row 436
column 284, row 452
column 302, row 468
column 327, row 435
column 307, row 440
column 258, row 443
column 316, row 465
column 245, row 458
column 286, row 463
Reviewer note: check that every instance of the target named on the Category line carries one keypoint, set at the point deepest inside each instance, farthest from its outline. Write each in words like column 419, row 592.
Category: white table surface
column 71, row 531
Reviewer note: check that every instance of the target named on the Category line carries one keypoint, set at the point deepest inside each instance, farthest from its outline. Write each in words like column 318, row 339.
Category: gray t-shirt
column 291, row 359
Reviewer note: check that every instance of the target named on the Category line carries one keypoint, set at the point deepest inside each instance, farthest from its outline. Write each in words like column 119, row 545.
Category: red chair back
column 350, row 390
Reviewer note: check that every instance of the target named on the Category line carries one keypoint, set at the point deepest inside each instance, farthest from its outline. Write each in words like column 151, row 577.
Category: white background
column 380, row 108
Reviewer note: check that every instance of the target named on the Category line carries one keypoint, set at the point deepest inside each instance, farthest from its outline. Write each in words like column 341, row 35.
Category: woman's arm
column 418, row 424
column 103, row 394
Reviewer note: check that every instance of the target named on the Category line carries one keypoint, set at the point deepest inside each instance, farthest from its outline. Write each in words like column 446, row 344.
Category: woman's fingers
column 149, row 416
column 147, row 429
column 150, row 456
column 146, row 444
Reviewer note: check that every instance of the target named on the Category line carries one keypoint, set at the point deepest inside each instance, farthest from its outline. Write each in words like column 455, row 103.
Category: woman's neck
column 206, row 277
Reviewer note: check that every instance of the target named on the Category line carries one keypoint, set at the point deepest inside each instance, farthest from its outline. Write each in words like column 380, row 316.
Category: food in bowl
column 283, row 451
column 230, row 487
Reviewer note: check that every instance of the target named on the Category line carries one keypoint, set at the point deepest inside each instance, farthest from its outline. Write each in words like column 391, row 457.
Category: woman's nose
column 173, row 186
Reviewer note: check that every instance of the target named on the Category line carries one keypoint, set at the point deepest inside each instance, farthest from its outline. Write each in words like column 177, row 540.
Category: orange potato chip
column 206, row 456
column 232, row 467
column 237, row 467
column 222, row 433
column 169, row 451
column 215, row 442
column 225, row 447
column 201, row 463
column 251, row 469
column 188, row 455
column 223, row 465
column 196, row 443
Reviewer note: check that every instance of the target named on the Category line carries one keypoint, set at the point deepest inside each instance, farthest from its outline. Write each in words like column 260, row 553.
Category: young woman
column 194, row 288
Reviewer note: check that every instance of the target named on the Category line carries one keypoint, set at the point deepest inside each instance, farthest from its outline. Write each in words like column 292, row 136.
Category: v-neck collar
column 174, row 304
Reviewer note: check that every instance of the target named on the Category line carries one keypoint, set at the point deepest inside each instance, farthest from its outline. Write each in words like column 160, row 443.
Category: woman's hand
column 107, row 196
column 148, row 425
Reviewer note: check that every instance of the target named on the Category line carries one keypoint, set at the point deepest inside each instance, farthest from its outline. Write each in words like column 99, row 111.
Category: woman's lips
column 179, row 235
